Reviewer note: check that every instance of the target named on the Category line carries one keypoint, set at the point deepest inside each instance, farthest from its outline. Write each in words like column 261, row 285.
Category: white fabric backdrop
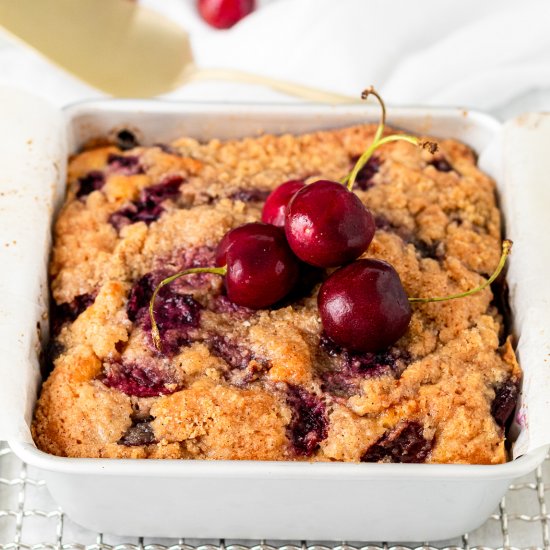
column 492, row 55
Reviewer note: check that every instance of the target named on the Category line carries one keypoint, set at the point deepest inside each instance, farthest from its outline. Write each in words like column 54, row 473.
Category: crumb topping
column 233, row 383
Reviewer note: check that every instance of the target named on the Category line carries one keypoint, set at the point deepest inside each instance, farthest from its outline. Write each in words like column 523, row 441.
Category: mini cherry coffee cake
column 227, row 376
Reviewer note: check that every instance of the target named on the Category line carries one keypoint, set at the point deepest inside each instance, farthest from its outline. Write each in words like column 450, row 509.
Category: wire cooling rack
column 30, row 520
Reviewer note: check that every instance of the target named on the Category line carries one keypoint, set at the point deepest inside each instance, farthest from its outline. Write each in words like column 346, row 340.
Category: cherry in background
column 223, row 14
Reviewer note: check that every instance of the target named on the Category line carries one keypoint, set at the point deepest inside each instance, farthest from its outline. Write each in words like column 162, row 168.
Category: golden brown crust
column 258, row 385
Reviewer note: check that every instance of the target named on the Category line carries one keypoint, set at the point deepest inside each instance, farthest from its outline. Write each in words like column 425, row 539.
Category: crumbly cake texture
column 233, row 383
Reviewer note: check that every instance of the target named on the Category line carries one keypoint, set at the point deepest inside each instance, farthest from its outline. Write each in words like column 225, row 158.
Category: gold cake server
column 124, row 49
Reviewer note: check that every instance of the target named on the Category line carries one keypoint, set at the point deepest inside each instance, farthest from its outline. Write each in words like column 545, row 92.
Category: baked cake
column 234, row 383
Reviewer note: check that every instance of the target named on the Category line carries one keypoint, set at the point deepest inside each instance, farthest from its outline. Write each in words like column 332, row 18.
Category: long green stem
column 506, row 248
column 381, row 125
column 378, row 140
column 364, row 158
column 154, row 327
column 380, row 130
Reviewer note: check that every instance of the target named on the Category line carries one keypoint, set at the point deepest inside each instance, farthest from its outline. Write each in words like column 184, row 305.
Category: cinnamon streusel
column 233, row 383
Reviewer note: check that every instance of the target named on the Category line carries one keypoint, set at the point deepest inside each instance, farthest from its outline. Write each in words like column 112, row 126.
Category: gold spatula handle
column 290, row 88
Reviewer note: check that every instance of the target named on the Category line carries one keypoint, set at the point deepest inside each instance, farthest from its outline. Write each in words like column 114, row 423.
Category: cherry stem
column 349, row 180
column 155, row 334
column 506, row 249
column 364, row 158
column 380, row 130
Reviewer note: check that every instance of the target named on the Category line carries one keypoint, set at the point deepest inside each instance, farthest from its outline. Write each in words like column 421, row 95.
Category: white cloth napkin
column 492, row 55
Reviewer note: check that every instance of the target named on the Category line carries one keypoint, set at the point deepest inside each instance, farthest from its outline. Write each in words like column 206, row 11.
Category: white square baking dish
column 267, row 500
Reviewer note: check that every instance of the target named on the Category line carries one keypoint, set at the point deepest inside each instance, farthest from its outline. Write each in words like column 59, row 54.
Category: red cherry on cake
column 223, row 14
column 261, row 268
column 238, row 234
column 274, row 210
column 327, row 225
column 364, row 307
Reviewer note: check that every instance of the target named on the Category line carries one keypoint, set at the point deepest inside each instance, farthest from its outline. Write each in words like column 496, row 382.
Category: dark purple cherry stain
column 365, row 175
column 234, row 354
column 92, row 181
column 169, row 188
column 250, row 195
column 177, row 315
column 309, row 422
column 441, row 164
column 69, row 311
column 126, row 140
column 140, row 294
column 222, row 304
column 501, row 295
column 405, row 443
column 148, row 207
column 434, row 250
column 504, row 403
column 245, row 366
column 139, row 433
column 145, row 380
column 201, row 256
column 351, row 367
column 127, row 165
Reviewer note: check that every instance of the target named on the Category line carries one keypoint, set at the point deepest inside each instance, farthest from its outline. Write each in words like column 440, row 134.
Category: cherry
column 504, row 403
column 327, row 225
column 233, row 236
column 261, row 268
column 240, row 233
column 364, row 307
column 404, row 443
column 274, row 210
column 92, row 181
column 223, row 14
column 258, row 265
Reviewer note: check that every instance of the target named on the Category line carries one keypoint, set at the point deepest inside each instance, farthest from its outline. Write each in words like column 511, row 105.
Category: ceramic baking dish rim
column 284, row 469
